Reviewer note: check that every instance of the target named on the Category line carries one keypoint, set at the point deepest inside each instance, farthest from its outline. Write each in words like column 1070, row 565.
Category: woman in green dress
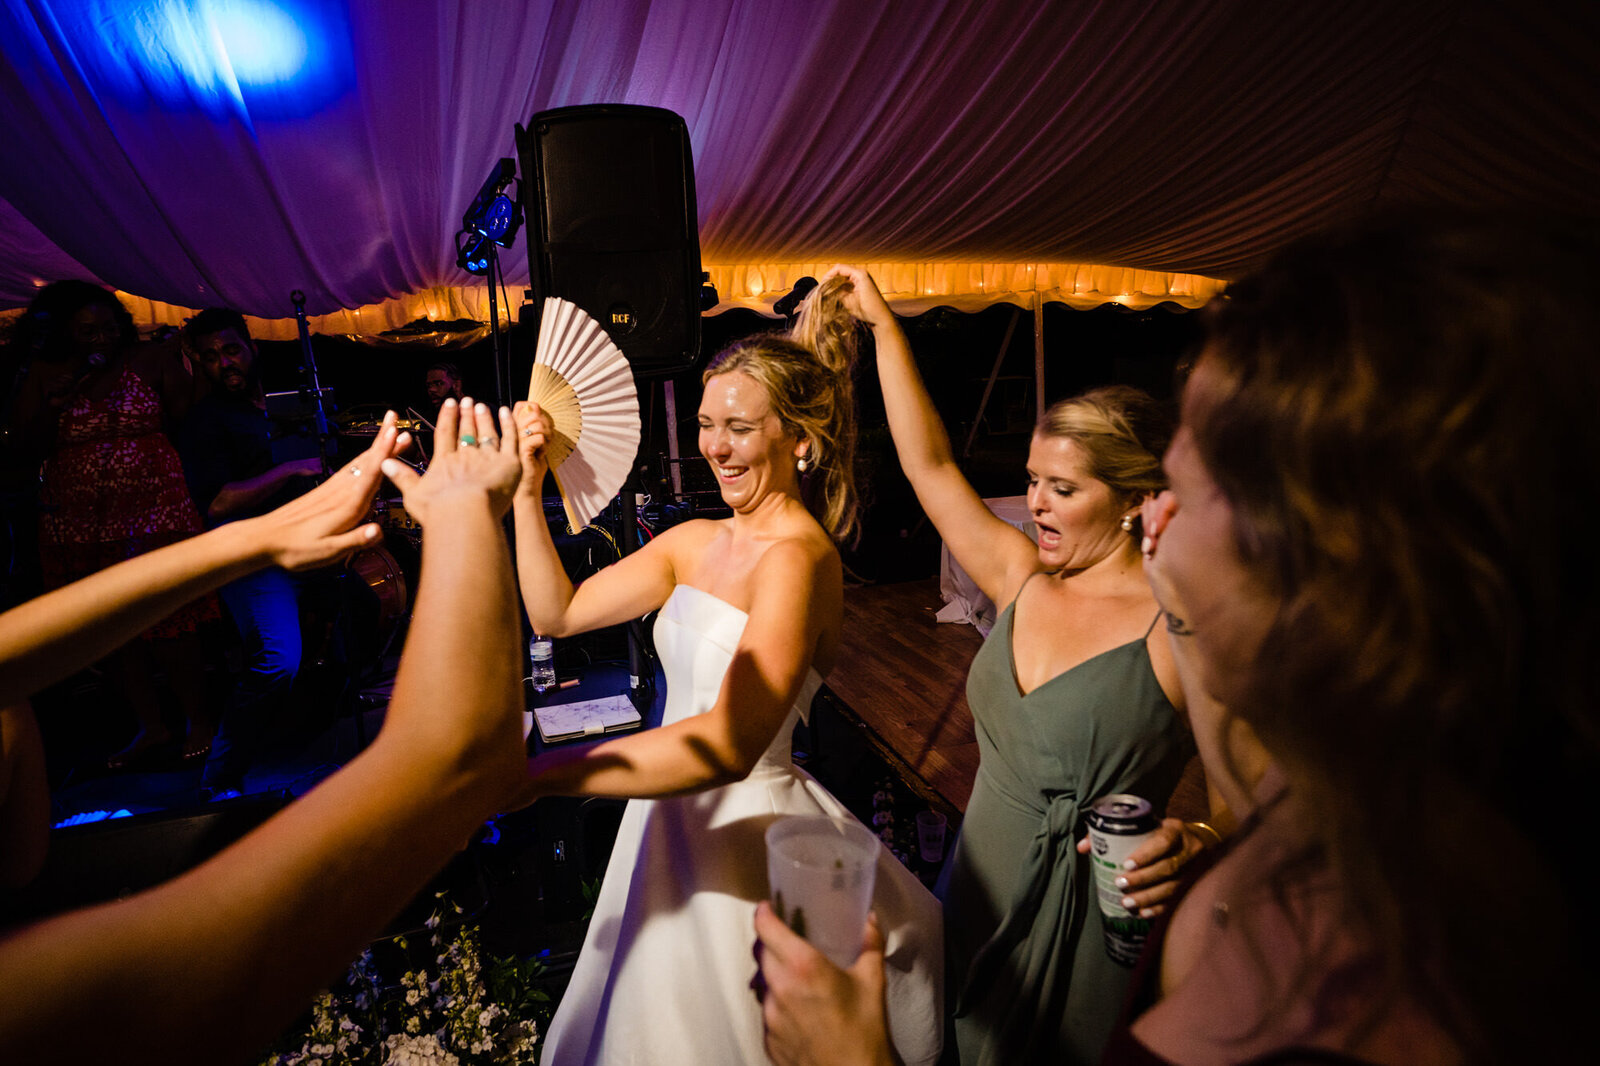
column 1075, row 695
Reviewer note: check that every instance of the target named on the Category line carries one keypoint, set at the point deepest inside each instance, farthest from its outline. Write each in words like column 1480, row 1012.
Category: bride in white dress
column 750, row 619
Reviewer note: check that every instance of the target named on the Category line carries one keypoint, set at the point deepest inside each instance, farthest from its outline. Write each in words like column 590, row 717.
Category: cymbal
column 367, row 428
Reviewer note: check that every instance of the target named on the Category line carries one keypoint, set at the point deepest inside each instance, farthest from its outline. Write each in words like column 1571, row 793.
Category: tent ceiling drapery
column 161, row 147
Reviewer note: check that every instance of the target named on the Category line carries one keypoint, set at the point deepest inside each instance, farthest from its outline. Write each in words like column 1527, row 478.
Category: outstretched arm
column 63, row 631
column 997, row 555
column 226, row 954
column 796, row 588
column 237, row 496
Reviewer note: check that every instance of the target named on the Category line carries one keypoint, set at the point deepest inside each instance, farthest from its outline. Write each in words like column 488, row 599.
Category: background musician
column 442, row 382
column 228, row 456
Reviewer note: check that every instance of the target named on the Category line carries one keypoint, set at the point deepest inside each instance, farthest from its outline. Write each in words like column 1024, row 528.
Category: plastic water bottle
column 542, row 660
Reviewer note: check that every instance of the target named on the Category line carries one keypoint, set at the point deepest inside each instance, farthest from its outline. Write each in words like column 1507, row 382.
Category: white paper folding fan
column 585, row 385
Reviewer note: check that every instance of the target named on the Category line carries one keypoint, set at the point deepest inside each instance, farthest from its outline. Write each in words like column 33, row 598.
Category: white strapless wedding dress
column 664, row 975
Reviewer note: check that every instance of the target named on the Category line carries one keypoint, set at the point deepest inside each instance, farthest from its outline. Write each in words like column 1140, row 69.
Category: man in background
column 235, row 471
column 443, row 382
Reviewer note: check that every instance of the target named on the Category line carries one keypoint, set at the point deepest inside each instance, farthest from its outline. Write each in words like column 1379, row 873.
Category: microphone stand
column 420, row 439
column 309, row 369
column 502, row 373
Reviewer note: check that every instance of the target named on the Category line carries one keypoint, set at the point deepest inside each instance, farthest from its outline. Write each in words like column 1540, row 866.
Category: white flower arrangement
column 460, row 1011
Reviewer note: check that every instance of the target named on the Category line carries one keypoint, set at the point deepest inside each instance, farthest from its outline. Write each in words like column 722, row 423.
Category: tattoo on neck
column 1177, row 625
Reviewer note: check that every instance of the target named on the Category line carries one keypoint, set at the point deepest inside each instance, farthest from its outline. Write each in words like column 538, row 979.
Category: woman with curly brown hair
column 98, row 408
column 750, row 614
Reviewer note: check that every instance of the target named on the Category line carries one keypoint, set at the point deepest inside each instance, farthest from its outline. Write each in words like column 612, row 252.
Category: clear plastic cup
column 821, row 872
column 930, row 835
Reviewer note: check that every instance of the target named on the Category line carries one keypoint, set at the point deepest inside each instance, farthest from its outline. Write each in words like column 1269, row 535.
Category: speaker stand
column 641, row 671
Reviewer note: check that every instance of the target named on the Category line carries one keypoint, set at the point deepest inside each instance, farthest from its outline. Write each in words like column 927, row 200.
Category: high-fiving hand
column 321, row 527
column 472, row 457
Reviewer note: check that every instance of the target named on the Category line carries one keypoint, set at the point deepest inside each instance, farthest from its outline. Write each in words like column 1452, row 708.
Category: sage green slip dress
column 1029, row 977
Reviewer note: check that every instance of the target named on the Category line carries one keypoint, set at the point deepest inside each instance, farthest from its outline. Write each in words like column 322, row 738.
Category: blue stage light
column 266, row 58
column 85, row 817
column 472, row 252
column 261, row 41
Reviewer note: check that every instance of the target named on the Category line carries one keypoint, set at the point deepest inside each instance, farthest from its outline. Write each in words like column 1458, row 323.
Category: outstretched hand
column 813, row 1012
column 863, row 299
column 472, row 456
column 321, row 527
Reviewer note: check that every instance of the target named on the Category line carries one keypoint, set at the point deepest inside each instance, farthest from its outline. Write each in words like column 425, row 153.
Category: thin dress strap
column 1153, row 622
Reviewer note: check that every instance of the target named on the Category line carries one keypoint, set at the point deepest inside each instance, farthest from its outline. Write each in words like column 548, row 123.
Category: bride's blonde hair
column 806, row 375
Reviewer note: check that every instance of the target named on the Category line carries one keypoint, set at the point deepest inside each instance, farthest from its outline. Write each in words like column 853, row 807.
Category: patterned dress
column 114, row 489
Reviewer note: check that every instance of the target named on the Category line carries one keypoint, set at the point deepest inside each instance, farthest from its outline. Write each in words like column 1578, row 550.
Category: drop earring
column 801, row 465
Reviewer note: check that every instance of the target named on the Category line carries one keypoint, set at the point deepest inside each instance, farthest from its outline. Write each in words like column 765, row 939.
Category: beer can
column 1118, row 824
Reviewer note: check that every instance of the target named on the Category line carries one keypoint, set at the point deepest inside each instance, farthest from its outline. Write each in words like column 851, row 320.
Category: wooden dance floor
column 902, row 677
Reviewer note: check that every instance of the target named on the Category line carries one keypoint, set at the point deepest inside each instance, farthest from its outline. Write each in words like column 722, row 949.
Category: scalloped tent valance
column 911, row 288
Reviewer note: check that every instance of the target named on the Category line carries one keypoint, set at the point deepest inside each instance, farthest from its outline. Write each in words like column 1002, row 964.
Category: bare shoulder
column 808, row 552
column 694, row 531
column 685, row 543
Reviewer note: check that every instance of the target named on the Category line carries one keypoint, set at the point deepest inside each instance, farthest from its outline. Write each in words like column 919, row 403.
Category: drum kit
column 386, row 572
column 389, row 570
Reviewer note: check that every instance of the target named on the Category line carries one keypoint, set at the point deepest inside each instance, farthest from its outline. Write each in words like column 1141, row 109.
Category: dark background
column 955, row 351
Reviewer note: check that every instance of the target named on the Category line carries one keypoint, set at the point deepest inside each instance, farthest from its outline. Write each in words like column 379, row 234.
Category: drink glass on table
column 821, row 872
column 930, row 835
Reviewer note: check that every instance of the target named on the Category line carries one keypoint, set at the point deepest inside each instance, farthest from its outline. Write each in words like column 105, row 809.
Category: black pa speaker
column 608, row 193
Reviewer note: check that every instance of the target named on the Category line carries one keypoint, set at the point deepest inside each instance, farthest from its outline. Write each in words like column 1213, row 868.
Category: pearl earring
column 1127, row 523
column 801, row 464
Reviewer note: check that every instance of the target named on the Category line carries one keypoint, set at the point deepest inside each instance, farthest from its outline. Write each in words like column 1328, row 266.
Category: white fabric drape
column 953, row 137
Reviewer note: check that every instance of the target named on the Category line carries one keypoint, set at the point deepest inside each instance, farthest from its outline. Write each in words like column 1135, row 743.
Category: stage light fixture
column 492, row 213
column 473, row 252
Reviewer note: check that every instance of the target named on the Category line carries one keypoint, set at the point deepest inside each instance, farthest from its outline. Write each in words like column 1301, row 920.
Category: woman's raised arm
column 997, row 555
column 625, row 590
